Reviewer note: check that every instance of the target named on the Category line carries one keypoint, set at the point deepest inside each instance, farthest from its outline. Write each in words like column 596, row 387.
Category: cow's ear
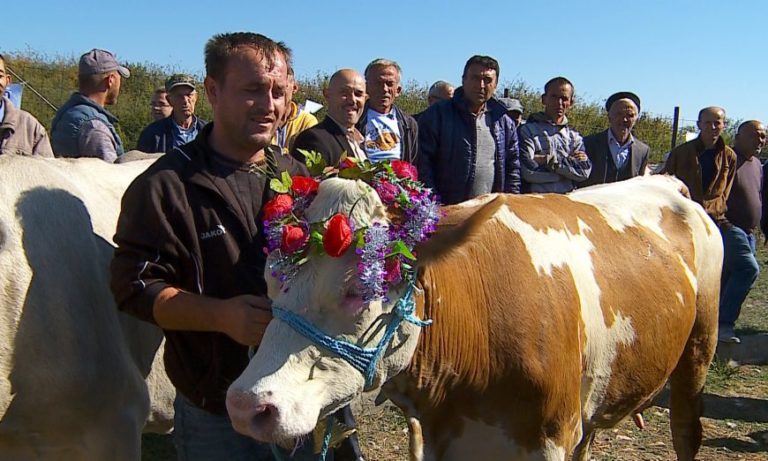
column 460, row 226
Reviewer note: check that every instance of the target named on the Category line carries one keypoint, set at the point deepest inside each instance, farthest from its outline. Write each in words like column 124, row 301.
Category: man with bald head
column 615, row 153
column 345, row 97
column 706, row 165
column 740, row 267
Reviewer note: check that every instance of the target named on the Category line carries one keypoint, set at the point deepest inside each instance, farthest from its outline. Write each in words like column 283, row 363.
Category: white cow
column 72, row 368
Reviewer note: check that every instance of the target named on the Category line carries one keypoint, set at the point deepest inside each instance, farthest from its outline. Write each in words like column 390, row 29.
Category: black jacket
column 599, row 154
column 158, row 135
column 326, row 138
column 180, row 225
column 409, row 132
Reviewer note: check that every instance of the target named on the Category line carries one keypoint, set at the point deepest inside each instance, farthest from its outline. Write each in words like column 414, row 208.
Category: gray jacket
column 558, row 143
column 22, row 134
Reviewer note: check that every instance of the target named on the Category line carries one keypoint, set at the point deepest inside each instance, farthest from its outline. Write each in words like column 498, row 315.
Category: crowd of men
column 189, row 255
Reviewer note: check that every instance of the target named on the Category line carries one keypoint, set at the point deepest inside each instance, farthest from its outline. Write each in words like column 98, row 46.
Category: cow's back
column 69, row 386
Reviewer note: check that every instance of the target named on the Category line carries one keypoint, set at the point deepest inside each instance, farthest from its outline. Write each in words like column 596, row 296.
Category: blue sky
column 687, row 53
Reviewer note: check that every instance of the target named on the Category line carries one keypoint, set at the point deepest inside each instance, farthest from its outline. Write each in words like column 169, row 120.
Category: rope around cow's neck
column 362, row 359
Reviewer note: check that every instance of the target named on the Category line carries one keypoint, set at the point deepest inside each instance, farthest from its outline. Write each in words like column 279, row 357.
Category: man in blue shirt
column 182, row 126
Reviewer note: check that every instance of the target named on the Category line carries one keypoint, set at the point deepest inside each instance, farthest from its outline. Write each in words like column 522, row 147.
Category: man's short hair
column 3, row 60
column 438, row 88
column 745, row 124
column 91, row 82
column 484, row 61
column 559, row 81
column 221, row 47
column 381, row 62
column 710, row 108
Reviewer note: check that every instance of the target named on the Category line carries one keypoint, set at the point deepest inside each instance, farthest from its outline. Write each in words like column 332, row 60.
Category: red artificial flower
column 405, row 170
column 280, row 205
column 304, row 186
column 338, row 235
column 392, row 270
column 294, row 238
column 387, row 192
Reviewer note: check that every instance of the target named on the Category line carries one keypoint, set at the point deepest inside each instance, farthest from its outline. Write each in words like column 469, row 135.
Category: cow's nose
column 252, row 416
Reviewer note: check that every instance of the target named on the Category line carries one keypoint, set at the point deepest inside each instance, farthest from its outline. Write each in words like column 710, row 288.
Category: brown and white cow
column 553, row 315
column 72, row 368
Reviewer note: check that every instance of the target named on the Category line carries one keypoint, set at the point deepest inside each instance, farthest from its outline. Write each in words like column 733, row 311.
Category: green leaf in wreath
column 278, row 186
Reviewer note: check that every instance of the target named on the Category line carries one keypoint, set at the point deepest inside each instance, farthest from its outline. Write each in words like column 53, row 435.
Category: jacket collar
column 11, row 119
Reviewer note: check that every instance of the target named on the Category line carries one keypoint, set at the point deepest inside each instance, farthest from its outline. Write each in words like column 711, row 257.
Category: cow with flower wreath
column 513, row 330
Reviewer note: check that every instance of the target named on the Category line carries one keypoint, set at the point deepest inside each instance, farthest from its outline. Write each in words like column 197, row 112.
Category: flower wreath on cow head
column 386, row 251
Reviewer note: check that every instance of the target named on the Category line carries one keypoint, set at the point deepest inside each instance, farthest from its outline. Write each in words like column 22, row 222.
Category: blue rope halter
column 362, row 359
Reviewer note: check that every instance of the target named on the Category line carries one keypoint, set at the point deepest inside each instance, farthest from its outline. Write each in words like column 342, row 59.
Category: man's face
column 622, row 117
column 750, row 139
column 182, row 99
column 113, row 91
column 346, row 99
column 479, row 84
column 557, row 101
column 383, row 87
column 160, row 106
column 441, row 95
column 517, row 116
column 5, row 78
column 711, row 123
column 250, row 101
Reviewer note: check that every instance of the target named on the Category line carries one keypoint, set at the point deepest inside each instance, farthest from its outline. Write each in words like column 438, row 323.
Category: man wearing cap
column 615, row 153
column 514, row 109
column 182, row 126
column 82, row 127
column 20, row 132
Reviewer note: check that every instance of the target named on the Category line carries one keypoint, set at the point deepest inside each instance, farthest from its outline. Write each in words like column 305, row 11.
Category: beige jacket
column 22, row 134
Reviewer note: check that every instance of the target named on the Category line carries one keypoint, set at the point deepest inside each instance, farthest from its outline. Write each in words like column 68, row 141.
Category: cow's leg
column 687, row 384
column 583, row 450
column 415, row 440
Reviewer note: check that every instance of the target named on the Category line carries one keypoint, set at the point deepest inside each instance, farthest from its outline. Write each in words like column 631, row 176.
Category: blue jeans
column 202, row 436
column 740, row 270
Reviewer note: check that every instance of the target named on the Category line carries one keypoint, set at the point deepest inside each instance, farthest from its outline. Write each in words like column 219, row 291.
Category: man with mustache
column 469, row 143
column 390, row 133
column 182, row 126
column 552, row 154
column 615, row 153
column 336, row 135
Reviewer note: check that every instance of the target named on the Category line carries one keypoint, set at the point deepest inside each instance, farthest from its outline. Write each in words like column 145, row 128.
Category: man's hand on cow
column 245, row 318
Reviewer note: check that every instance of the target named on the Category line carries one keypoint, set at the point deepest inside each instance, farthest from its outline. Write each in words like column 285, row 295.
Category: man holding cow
column 193, row 262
